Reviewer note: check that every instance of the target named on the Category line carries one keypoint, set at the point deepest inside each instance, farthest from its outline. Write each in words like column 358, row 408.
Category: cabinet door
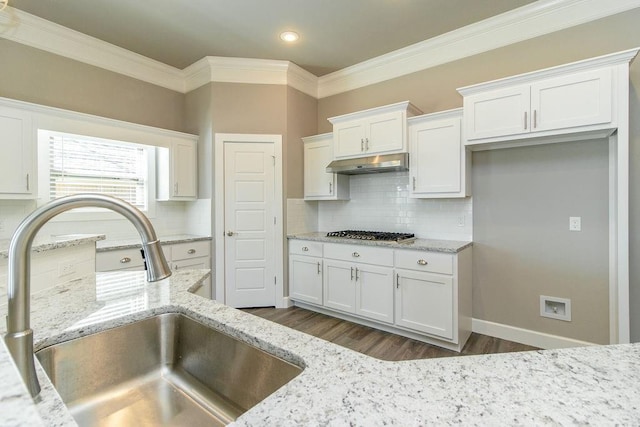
column 497, row 113
column 305, row 278
column 16, row 162
column 424, row 303
column 348, row 139
column 575, row 100
column 374, row 292
column 317, row 182
column 339, row 285
column 184, row 170
column 385, row 133
column 437, row 158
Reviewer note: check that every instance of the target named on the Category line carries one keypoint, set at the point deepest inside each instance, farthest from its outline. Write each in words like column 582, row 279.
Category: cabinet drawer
column 357, row 253
column 305, row 247
column 190, row 250
column 119, row 259
column 432, row 262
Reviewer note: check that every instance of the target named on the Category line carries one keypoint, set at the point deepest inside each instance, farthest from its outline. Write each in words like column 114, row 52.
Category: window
column 81, row 164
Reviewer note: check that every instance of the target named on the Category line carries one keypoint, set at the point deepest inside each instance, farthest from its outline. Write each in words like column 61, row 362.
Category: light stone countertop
column 48, row 243
column 433, row 245
column 134, row 242
column 596, row 385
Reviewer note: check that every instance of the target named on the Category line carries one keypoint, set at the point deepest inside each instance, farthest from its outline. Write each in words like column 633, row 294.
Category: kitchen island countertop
column 589, row 385
column 433, row 245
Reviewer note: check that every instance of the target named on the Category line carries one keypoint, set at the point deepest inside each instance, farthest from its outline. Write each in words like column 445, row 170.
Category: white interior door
column 250, row 273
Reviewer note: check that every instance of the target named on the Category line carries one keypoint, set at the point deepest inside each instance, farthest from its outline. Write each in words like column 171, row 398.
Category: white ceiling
column 334, row 33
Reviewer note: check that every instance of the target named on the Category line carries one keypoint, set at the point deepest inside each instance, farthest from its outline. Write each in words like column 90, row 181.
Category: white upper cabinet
column 569, row 102
column 381, row 130
column 176, row 171
column 497, row 113
column 439, row 165
column 318, row 184
column 18, row 140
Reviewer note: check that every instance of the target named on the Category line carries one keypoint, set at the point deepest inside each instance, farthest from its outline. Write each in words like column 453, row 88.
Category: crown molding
column 536, row 19
column 533, row 20
column 22, row 27
column 247, row 70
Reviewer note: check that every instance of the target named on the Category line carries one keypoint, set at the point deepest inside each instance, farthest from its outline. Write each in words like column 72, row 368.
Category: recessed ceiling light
column 289, row 36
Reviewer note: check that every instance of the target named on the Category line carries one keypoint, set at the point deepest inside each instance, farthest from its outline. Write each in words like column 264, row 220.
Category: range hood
column 372, row 164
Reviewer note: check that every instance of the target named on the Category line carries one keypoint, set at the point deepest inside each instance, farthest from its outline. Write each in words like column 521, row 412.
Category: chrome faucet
column 19, row 337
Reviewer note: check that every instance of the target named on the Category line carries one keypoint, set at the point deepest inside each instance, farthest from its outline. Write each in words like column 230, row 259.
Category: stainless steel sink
column 165, row 370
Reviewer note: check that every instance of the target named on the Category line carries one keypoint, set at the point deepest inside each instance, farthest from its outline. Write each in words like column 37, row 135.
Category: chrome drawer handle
column 191, row 251
column 305, row 249
column 422, row 262
column 355, row 255
column 125, row 260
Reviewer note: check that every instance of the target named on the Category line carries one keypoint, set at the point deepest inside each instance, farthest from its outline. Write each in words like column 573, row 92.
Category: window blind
column 78, row 165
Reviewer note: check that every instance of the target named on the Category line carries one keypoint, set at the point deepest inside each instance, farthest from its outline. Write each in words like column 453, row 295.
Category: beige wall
column 522, row 201
column 302, row 111
column 33, row 75
column 494, row 297
column 199, row 121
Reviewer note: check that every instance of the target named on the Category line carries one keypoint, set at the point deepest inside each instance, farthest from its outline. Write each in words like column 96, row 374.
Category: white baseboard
column 525, row 336
column 286, row 302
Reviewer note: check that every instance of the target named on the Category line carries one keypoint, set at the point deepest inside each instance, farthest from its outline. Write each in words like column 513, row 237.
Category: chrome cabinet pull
column 397, row 281
column 361, row 144
column 191, row 251
column 175, row 189
column 525, row 120
column 351, row 273
column 229, row 233
column 319, row 270
column 535, row 118
column 28, row 183
column 366, row 144
column 355, row 255
column 414, row 183
column 422, row 262
column 305, row 249
column 125, row 260
column 357, row 271
column 331, row 188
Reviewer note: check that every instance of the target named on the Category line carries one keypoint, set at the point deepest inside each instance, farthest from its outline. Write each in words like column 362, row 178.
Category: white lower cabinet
column 374, row 292
column 339, row 286
column 180, row 256
column 424, row 302
column 305, row 277
column 419, row 294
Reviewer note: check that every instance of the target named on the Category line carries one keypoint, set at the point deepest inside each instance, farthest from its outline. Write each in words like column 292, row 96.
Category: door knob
column 229, row 233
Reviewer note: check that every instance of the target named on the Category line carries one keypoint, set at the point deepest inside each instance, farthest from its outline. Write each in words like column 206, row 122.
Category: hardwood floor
column 375, row 343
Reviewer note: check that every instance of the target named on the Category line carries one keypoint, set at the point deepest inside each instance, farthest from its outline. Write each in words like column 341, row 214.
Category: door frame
column 219, row 265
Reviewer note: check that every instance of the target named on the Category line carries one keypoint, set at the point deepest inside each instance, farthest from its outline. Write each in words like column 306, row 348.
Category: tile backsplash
column 381, row 202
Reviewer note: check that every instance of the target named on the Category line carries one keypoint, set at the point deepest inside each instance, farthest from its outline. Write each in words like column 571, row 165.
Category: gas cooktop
column 373, row 235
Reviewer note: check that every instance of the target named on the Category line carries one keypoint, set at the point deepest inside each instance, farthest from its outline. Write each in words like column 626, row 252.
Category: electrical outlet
column 555, row 308
column 461, row 221
column 575, row 223
column 65, row 269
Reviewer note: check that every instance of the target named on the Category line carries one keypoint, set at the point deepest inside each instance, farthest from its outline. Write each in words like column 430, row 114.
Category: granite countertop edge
column 432, row 245
column 117, row 244
column 54, row 242
column 584, row 385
